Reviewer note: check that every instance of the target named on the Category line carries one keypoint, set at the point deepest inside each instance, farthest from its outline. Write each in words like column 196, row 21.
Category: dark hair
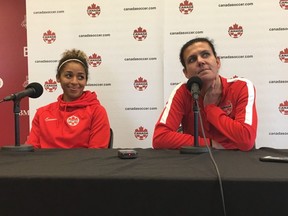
column 191, row 42
column 73, row 55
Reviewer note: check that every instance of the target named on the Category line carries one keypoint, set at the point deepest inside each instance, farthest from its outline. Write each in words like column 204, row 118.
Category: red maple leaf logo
column 283, row 108
column 285, row 103
column 140, row 34
column 93, row 6
column 93, row 10
column 50, row 85
column 235, row 26
column 235, row 31
column 186, row 7
column 94, row 60
column 186, row 3
column 141, row 133
column 49, row 37
column 140, row 84
column 73, row 120
column 283, row 4
column 283, row 55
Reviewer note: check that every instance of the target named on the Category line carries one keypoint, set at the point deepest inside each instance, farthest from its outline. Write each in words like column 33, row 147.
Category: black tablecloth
column 158, row 182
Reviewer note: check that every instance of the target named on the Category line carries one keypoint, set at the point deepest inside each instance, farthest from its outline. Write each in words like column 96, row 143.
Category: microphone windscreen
column 194, row 79
column 38, row 89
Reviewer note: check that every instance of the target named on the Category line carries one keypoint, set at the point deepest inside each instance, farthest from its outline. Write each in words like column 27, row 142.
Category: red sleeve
column 241, row 130
column 100, row 129
column 33, row 138
column 165, row 137
column 165, row 132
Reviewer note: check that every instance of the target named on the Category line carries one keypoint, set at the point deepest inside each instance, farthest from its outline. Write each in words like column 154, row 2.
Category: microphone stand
column 17, row 147
column 196, row 149
column 196, row 113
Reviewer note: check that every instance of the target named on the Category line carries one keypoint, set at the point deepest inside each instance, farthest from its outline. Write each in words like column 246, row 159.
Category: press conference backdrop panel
column 134, row 46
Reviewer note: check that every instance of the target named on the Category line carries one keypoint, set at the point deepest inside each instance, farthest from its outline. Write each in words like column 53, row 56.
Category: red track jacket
column 82, row 123
column 230, row 125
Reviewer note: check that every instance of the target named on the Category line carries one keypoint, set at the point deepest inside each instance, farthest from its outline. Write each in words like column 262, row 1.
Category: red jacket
column 231, row 125
column 82, row 123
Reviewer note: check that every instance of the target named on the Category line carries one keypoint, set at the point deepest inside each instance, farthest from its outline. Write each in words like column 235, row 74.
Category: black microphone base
column 18, row 148
column 193, row 150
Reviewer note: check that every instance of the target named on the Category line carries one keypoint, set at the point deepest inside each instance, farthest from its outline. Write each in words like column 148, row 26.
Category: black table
column 159, row 182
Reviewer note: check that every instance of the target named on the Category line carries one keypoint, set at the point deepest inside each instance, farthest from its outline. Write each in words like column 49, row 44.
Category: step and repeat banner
column 133, row 49
column 13, row 69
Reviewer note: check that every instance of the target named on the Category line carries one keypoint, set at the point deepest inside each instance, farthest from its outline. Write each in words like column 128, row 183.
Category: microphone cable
column 214, row 162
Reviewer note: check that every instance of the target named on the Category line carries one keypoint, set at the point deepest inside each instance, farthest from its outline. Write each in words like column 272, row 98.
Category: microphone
column 33, row 90
column 194, row 84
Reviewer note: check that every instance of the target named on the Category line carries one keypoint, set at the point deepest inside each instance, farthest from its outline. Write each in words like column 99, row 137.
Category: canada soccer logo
column 50, row 85
column 140, row 84
column 73, row 120
column 93, row 10
column 283, row 108
column 94, row 60
column 141, row 133
column 283, row 4
column 235, row 31
column 186, row 7
column 140, row 34
column 227, row 107
column 49, row 37
column 283, row 55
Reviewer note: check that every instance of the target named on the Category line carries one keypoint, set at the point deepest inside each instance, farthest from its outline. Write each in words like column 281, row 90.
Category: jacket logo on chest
column 73, row 120
column 227, row 107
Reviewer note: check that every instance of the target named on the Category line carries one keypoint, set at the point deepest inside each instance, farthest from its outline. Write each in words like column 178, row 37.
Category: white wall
column 253, row 55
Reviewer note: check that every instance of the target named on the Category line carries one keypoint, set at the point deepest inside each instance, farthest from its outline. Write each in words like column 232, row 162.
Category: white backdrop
column 135, row 45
